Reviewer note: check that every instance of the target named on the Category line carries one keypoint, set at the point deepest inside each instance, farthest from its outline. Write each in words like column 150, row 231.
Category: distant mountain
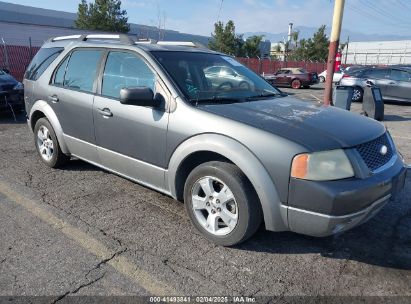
column 307, row 32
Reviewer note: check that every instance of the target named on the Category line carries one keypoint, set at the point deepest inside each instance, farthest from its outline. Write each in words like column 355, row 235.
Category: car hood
column 6, row 79
column 311, row 125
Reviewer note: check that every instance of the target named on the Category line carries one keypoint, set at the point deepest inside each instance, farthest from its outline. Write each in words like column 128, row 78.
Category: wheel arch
column 42, row 109
column 204, row 147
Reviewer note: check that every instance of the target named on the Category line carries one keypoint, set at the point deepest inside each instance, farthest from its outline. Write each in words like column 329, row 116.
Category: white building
column 378, row 52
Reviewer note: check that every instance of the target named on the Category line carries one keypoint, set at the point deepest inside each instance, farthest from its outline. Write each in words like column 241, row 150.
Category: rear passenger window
column 40, row 62
column 80, row 72
column 125, row 70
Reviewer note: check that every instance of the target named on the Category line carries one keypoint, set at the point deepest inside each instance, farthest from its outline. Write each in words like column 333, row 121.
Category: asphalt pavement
column 81, row 230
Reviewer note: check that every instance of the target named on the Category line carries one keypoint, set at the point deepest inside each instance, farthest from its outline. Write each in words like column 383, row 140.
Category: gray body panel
column 148, row 145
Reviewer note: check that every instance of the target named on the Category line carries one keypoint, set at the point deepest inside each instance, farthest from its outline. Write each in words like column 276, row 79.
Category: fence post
column 6, row 55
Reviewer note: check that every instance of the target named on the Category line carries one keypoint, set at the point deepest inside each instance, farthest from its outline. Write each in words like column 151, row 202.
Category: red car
column 294, row 77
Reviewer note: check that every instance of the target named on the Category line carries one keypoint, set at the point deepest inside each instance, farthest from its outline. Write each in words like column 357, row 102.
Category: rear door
column 400, row 85
column 380, row 78
column 71, row 96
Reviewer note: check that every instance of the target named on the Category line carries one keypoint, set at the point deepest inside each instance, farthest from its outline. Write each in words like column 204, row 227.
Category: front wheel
column 296, row 84
column 222, row 203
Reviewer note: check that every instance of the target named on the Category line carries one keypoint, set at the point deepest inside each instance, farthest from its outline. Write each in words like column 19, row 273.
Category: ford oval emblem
column 383, row 150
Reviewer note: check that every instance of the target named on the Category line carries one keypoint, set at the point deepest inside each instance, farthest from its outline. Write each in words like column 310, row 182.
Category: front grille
column 371, row 152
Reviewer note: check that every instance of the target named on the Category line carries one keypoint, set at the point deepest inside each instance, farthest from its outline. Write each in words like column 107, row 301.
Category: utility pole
column 332, row 50
column 346, row 49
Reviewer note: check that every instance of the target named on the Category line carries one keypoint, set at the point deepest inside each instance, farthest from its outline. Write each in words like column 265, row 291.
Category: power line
column 219, row 11
column 376, row 17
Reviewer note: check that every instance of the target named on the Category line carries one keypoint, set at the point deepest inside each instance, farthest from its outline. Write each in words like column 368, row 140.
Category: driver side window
column 123, row 70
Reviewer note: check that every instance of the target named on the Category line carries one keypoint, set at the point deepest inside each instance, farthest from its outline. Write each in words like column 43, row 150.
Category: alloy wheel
column 45, row 143
column 214, row 206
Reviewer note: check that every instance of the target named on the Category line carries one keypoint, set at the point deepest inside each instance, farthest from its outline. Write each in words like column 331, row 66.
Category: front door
column 131, row 140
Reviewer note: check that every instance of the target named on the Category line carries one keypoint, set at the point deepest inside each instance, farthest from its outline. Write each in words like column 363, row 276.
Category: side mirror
column 137, row 96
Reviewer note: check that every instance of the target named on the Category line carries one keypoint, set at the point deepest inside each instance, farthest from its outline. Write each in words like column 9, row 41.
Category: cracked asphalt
column 80, row 230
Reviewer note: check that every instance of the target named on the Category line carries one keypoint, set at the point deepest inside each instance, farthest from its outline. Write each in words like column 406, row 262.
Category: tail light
column 346, row 76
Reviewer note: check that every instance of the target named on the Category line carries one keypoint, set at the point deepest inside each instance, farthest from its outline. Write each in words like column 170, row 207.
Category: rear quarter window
column 40, row 62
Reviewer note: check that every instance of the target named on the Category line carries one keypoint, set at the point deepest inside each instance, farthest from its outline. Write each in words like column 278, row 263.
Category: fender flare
column 275, row 217
column 46, row 109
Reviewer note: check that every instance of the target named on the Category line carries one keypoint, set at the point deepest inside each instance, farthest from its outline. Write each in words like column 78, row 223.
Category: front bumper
column 15, row 98
column 325, row 208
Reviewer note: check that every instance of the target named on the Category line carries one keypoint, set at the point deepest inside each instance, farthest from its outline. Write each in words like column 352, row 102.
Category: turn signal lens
column 300, row 166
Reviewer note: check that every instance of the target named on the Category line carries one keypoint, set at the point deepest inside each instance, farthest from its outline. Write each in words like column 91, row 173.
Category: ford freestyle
column 238, row 156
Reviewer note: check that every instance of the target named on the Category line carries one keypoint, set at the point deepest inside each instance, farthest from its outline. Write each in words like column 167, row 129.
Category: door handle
column 392, row 82
column 54, row 98
column 105, row 112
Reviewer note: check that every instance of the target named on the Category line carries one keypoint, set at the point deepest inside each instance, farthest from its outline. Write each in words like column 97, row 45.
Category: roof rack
column 125, row 39
column 122, row 37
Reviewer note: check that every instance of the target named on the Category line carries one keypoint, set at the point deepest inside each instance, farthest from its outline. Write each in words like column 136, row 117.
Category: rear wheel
column 47, row 144
column 221, row 203
column 296, row 84
column 357, row 94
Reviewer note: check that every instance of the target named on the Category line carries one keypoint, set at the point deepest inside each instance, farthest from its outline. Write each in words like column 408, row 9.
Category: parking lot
column 83, row 231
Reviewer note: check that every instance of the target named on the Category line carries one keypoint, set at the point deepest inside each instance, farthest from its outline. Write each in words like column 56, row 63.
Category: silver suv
column 237, row 156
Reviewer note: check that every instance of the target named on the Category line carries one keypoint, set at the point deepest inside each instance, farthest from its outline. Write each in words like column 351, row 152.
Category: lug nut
column 208, row 204
column 210, row 198
column 219, row 209
column 217, row 201
column 213, row 211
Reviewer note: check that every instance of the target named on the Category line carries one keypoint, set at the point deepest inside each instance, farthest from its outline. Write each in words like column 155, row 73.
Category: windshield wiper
column 263, row 95
column 216, row 99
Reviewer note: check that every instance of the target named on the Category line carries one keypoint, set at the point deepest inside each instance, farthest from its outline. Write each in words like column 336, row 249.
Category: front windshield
column 214, row 78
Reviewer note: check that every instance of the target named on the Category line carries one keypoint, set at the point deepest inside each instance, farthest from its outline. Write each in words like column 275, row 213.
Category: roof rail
column 179, row 43
column 146, row 41
column 125, row 39
column 122, row 37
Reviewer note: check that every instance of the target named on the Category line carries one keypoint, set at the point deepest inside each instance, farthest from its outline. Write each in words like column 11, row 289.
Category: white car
column 336, row 77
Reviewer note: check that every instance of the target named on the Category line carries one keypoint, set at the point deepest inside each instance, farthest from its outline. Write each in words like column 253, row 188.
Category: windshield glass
column 214, row 78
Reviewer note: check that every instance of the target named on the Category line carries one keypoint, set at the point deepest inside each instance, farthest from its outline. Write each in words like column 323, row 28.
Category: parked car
column 11, row 92
column 294, row 77
column 236, row 157
column 336, row 77
column 226, row 77
column 394, row 82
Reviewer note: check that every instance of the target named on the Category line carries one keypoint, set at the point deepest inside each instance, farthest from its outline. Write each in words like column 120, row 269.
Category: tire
column 296, row 84
column 238, row 205
column 358, row 94
column 47, row 145
column 244, row 85
column 225, row 86
column 322, row 79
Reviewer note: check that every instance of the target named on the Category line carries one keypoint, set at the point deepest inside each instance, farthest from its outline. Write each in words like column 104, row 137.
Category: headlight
column 18, row 86
column 322, row 166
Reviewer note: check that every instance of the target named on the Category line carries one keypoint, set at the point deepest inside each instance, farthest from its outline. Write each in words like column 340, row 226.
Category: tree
column 252, row 46
column 313, row 49
column 294, row 37
column 103, row 15
column 224, row 38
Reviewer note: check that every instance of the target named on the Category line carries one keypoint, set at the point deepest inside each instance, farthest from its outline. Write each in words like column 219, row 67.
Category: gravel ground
column 81, row 230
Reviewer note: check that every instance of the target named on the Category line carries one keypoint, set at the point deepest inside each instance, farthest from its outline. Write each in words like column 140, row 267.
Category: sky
column 198, row 16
